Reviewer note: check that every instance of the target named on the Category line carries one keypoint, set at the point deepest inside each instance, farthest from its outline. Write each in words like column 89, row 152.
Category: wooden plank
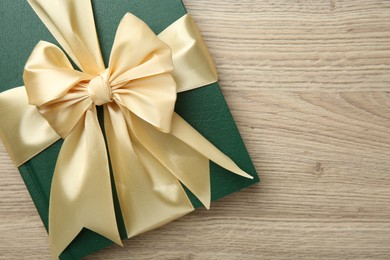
column 308, row 84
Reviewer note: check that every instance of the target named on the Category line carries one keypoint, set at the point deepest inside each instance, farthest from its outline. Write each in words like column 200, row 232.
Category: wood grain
column 308, row 83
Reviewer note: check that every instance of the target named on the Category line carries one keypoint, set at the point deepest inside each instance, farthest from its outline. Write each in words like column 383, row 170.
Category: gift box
column 203, row 107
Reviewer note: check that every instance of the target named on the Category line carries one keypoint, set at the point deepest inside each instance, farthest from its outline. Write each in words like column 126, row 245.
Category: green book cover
column 204, row 108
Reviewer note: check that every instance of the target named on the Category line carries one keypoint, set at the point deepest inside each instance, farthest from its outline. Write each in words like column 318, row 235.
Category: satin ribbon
column 152, row 149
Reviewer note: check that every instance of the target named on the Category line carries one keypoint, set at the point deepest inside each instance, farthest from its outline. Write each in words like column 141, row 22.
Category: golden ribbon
column 152, row 149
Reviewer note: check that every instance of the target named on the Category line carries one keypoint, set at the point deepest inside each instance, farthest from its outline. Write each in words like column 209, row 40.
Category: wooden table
column 308, row 83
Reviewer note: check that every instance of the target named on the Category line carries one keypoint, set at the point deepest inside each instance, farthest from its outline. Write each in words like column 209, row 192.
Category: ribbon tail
column 149, row 196
column 186, row 133
column 81, row 194
column 180, row 160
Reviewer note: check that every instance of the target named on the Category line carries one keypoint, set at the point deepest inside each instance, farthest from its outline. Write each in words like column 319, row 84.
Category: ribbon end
column 59, row 243
column 119, row 243
column 248, row 176
column 205, row 199
column 243, row 174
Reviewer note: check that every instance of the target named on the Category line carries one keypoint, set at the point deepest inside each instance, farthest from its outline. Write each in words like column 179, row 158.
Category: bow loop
column 48, row 74
column 56, row 88
column 140, row 74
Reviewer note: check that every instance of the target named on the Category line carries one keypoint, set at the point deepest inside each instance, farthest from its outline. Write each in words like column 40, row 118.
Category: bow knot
column 99, row 89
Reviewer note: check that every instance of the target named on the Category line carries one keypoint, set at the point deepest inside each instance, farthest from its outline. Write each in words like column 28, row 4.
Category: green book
column 204, row 108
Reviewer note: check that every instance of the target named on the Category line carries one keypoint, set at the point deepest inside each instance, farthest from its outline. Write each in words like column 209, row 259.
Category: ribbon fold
column 152, row 149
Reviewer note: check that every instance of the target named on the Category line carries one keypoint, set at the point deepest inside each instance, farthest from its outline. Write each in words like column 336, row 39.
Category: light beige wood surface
column 308, row 83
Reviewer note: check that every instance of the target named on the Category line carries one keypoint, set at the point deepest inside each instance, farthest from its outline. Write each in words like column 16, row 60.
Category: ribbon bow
column 152, row 149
